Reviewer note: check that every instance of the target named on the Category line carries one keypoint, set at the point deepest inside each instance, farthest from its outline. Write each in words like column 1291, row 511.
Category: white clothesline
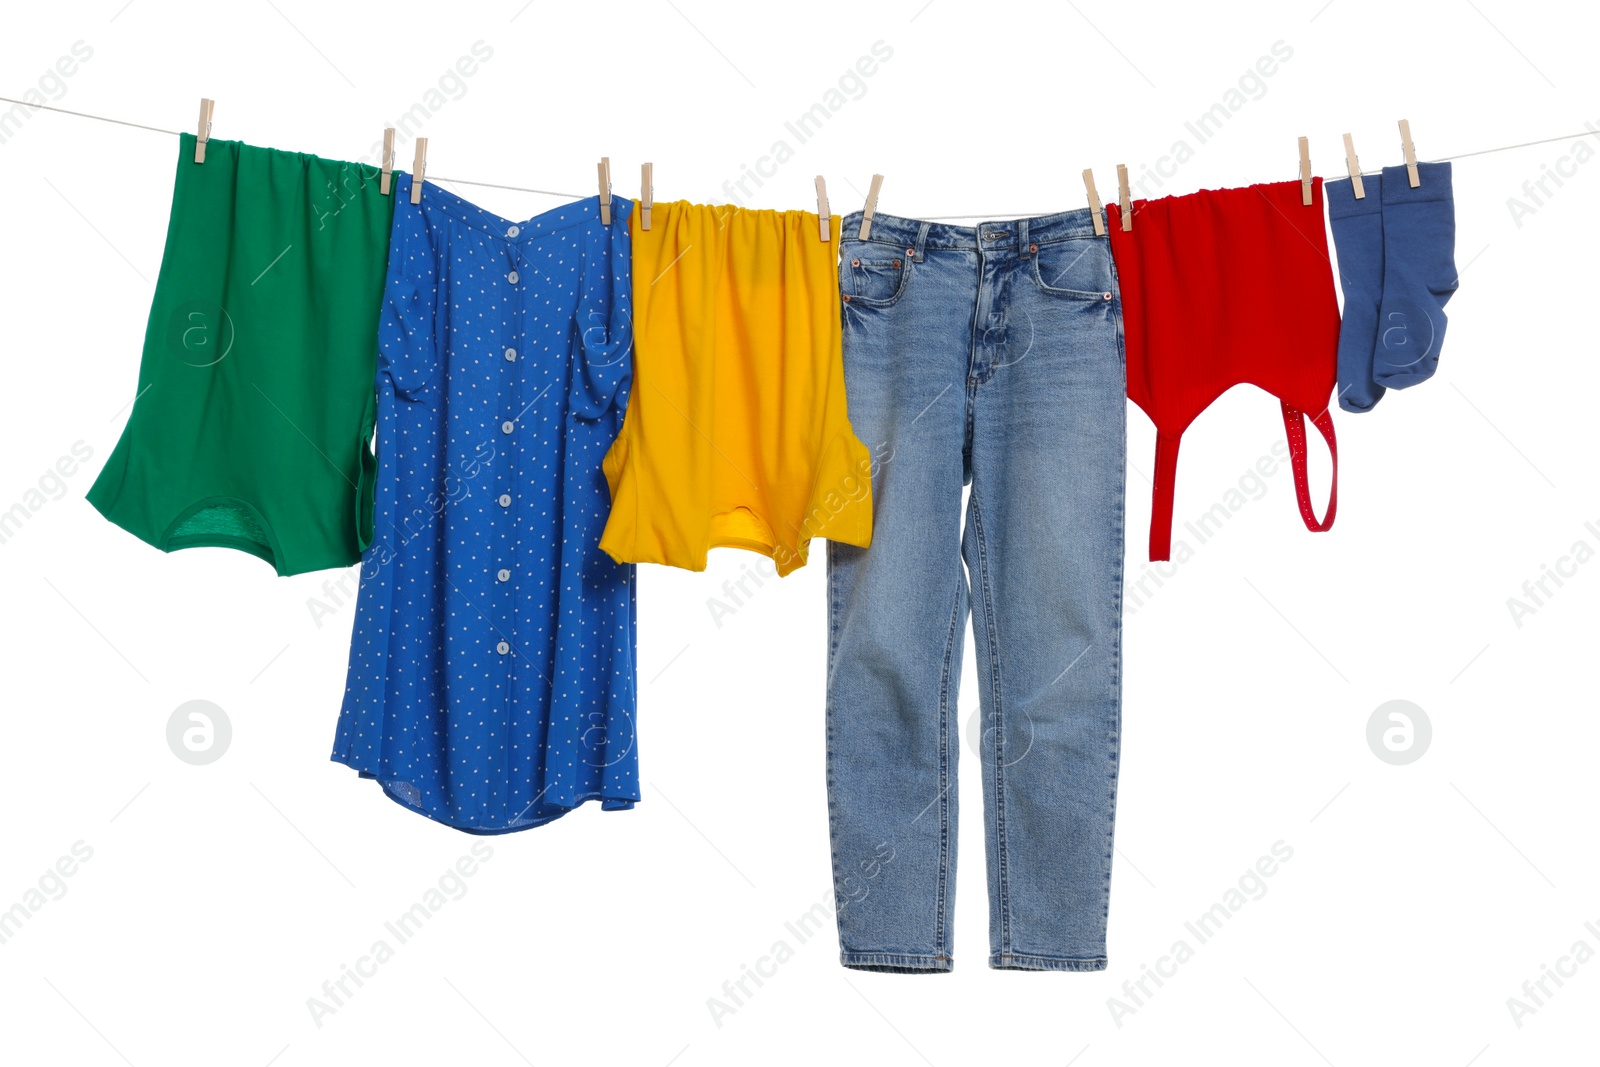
column 930, row 218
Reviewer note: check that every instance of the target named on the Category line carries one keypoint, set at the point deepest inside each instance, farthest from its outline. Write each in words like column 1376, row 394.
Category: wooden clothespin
column 1094, row 204
column 419, row 170
column 824, row 225
column 647, row 196
column 1353, row 165
column 388, row 161
column 203, row 131
column 605, row 190
column 1411, row 153
column 871, row 208
column 1124, row 198
column 1305, row 172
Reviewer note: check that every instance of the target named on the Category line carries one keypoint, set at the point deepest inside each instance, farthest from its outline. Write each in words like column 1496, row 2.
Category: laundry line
column 932, row 218
column 179, row 133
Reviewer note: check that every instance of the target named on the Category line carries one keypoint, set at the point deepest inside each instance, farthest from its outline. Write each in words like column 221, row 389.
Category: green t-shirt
column 252, row 424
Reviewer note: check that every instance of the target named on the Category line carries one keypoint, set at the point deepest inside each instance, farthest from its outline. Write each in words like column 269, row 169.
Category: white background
column 218, row 899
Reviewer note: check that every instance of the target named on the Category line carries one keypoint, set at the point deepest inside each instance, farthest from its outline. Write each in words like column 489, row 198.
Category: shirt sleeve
column 605, row 317
column 408, row 344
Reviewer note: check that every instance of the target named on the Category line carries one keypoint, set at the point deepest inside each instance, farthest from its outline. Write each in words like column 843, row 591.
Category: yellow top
column 737, row 432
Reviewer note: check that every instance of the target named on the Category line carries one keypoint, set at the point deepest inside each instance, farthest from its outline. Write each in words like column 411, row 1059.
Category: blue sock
column 1419, row 274
column 1358, row 239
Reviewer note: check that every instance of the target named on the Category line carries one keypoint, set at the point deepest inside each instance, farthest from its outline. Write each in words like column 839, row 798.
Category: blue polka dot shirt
column 491, row 683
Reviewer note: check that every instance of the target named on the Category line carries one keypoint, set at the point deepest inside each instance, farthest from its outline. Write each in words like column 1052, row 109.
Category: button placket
column 503, row 595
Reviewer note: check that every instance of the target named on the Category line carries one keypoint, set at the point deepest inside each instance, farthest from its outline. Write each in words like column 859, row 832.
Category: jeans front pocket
column 871, row 278
column 1077, row 268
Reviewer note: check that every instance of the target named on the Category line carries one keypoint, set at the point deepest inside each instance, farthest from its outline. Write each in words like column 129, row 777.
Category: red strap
column 1161, row 496
column 1294, row 424
column 1166, row 476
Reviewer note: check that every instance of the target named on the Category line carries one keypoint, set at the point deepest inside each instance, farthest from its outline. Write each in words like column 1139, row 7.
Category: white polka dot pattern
column 491, row 682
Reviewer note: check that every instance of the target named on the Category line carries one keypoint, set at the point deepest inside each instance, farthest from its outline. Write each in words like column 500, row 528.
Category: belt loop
column 1022, row 238
column 922, row 240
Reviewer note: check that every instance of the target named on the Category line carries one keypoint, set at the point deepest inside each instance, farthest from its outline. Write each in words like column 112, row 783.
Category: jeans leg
column 896, row 615
column 1044, row 547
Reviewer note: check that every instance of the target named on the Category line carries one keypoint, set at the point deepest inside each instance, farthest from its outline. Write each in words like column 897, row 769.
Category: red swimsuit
column 1221, row 288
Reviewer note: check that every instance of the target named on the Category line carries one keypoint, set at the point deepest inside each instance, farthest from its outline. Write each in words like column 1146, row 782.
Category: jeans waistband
column 996, row 236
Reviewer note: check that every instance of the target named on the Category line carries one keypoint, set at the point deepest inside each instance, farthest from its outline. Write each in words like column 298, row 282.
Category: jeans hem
column 896, row 963
column 1019, row 962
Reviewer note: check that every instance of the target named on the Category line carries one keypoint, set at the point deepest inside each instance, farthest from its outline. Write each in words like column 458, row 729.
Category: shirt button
column 507, row 426
column 504, row 575
column 512, row 277
column 502, row 648
column 513, row 231
column 505, row 500
column 511, row 354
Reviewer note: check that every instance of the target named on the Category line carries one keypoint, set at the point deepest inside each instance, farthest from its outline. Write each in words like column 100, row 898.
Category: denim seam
column 977, row 375
column 996, row 705
column 1066, row 225
column 828, row 749
column 968, row 417
column 1117, row 553
column 998, row 961
column 1069, row 237
column 1122, row 356
column 900, row 962
column 945, row 784
column 873, row 241
column 976, row 246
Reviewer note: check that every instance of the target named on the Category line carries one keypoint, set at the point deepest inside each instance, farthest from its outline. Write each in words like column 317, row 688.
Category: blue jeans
column 988, row 355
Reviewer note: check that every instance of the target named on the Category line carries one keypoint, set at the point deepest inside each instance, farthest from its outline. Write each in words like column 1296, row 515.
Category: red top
column 1221, row 288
